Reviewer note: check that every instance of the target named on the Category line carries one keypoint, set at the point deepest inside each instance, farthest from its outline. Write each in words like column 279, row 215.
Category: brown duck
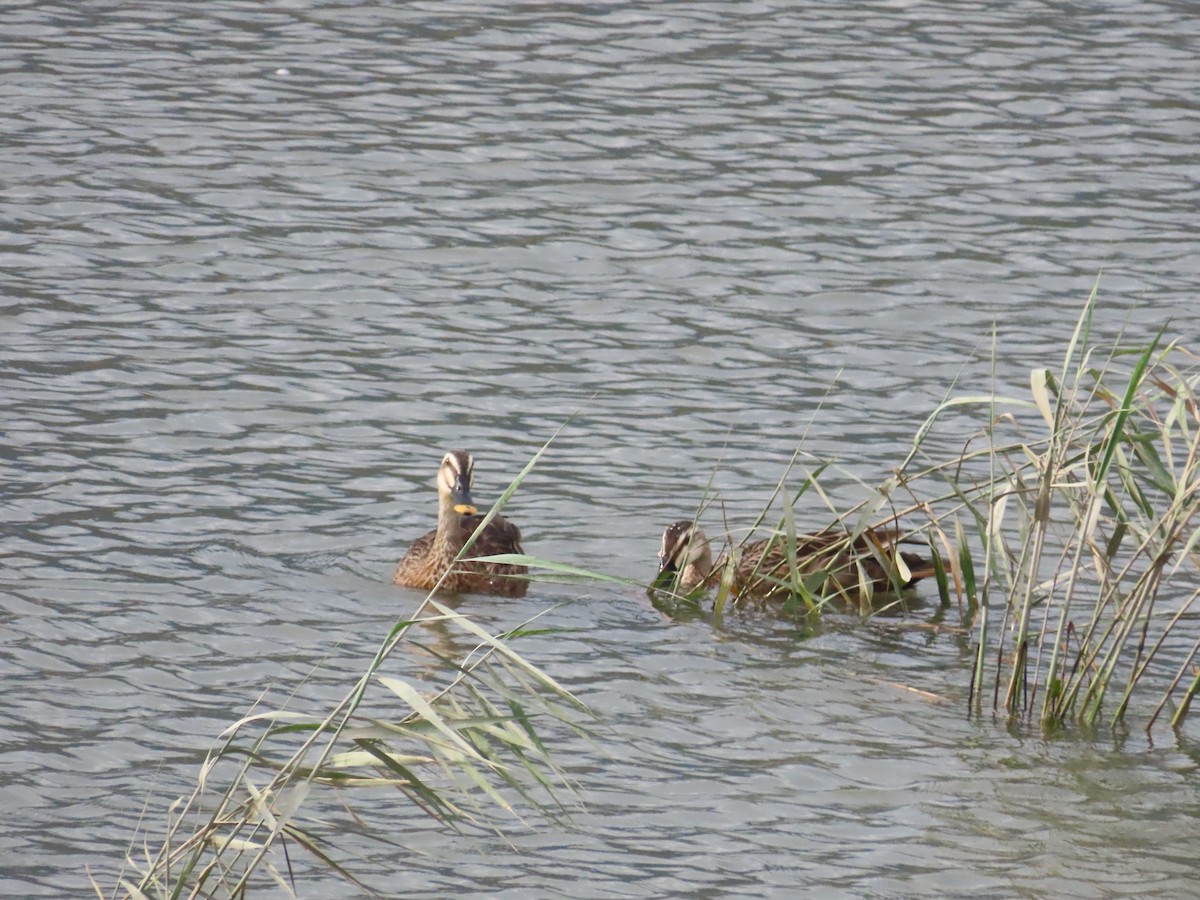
column 434, row 554
column 761, row 567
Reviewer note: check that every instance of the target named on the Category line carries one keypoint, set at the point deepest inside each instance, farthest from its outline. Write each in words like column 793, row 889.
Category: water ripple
column 264, row 265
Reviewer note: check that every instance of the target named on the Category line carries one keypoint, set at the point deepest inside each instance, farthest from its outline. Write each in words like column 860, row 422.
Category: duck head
column 685, row 550
column 454, row 483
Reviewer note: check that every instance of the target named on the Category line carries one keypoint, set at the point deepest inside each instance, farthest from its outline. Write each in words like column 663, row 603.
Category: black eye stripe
column 676, row 539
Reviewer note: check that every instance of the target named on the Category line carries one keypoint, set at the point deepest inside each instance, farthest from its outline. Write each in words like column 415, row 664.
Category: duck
column 433, row 559
column 761, row 568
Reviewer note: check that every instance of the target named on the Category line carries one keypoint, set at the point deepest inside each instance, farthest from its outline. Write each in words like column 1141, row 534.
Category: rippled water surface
column 264, row 263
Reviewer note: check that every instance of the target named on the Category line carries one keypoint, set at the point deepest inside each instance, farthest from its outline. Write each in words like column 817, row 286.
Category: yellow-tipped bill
column 461, row 495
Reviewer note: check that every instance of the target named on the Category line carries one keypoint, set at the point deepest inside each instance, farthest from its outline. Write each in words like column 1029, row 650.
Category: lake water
column 264, row 263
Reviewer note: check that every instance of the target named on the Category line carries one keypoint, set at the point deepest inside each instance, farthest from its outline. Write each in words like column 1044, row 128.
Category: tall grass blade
column 218, row 840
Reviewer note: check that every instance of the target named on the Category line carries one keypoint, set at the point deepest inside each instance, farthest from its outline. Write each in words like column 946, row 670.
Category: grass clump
column 1077, row 526
column 1066, row 524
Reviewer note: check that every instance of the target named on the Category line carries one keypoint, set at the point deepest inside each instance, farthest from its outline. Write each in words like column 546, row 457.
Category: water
column 263, row 264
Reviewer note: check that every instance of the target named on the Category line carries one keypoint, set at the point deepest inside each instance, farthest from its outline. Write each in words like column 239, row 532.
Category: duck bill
column 460, row 498
column 665, row 579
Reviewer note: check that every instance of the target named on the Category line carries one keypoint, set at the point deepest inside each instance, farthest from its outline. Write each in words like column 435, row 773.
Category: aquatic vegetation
column 458, row 745
column 1074, row 512
column 1066, row 525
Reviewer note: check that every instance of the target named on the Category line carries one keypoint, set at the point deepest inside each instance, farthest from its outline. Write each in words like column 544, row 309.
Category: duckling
column 433, row 554
column 760, row 566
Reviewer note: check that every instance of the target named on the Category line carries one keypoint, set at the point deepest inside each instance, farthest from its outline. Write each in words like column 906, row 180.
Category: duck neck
column 697, row 572
column 447, row 541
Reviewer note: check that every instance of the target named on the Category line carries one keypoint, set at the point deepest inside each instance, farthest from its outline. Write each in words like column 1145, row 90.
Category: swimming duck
column 761, row 566
column 434, row 553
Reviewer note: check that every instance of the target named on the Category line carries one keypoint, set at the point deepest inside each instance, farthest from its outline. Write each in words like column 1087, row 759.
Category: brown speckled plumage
column 760, row 566
column 433, row 554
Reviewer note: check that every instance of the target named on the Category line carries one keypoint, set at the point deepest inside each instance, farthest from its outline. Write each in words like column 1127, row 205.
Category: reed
column 1064, row 522
column 1074, row 511
column 460, row 750
column 1067, row 526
